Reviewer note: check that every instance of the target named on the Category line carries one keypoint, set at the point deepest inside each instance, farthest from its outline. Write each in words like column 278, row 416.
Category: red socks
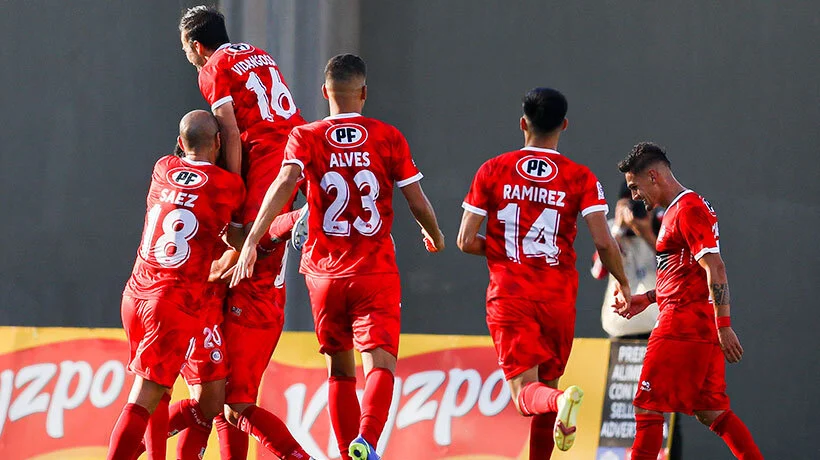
column 233, row 442
column 378, row 394
column 186, row 417
column 649, row 437
column 128, row 432
column 271, row 432
column 735, row 434
column 192, row 443
column 156, row 434
column 541, row 440
column 535, row 398
column 344, row 410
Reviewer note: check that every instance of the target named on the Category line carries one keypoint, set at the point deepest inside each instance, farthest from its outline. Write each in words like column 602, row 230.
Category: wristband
column 723, row 321
column 652, row 296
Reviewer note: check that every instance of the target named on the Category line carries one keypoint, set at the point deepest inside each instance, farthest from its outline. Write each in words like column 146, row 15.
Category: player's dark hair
column 178, row 150
column 206, row 25
column 345, row 67
column 642, row 156
column 545, row 109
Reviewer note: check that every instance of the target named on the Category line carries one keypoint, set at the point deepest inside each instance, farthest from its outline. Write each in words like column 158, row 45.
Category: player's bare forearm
column 469, row 240
column 423, row 212
column 230, row 137
column 276, row 198
column 606, row 245
column 718, row 282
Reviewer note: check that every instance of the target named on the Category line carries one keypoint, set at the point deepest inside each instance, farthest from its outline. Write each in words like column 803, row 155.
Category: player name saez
column 176, row 197
column 253, row 62
column 350, row 159
column 535, row 194
column 71, row 384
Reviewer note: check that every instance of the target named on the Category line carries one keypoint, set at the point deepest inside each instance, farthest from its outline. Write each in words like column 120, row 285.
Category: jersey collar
column 195, row 162
column 343, row 115
column 224, row 45
column 539, row 149
column 677, row 198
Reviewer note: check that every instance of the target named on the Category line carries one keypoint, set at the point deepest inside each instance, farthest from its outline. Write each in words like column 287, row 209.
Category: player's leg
column 648, row 434
column 374, row 305
column 335, row 336
column 156, row 434
column 251, row 349
column 158, row 334
column 719, row 417
column 193, row 418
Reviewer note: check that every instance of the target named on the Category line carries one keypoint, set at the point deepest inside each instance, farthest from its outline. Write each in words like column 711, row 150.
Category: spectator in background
column 635, row 230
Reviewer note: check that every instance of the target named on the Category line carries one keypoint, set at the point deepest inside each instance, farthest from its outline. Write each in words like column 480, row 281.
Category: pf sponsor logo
column 239, row 48
column 187, row 178
column 346, row 135
column 536, row 169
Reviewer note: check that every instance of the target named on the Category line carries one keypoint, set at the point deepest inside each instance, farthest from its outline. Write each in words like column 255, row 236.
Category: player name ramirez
column 253, row 62
column 536, row 194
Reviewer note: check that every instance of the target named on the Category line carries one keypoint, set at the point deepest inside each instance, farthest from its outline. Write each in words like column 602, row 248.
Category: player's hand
column 638, row 305
column 730, row 344
column 433, row 244
column 220, row 267
column 244, row 266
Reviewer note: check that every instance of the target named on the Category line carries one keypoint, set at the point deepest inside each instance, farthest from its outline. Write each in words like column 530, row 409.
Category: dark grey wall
column 93, row 91
column 92, row 94
column 732, row 92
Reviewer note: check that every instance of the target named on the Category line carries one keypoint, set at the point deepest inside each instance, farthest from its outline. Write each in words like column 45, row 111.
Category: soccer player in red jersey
column 684, row 368
column 256, row 112
column 351, row 164
column 531, row 199
column 190, row 202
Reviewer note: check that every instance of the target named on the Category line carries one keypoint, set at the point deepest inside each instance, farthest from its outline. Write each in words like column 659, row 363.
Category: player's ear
column 179, row 142
column 218, row 143
column 523, row 124
column 564, row 124
column 324, row 92
column 364, row 92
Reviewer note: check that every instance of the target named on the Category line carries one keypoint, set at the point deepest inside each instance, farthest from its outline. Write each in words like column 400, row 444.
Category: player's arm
column 276, row 198
column 719, row 288
column 469, row 240
column 610, row 256
column 425, row 215
column 229, row 133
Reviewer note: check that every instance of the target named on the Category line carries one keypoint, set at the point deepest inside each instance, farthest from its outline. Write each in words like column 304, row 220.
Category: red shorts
column 527, row 333
column 159, row 335
column 681, row 376
column 361, row 312
column 251, row 349
column 259, row 301
column 207, row 361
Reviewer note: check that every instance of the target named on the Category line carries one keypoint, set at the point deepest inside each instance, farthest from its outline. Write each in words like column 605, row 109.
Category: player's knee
column 231, row 415
column 707, row 417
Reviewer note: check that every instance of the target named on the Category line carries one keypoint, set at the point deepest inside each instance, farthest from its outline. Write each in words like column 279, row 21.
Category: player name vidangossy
column 253, row 62
column 536, row 194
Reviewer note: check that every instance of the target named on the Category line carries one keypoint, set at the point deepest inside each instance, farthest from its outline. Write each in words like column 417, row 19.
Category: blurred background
column 93, row 91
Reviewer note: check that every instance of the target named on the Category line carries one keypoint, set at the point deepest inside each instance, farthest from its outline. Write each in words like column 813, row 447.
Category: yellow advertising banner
column 62, row 389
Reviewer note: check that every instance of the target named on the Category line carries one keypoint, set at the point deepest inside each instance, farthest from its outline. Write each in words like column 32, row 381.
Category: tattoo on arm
column 652, row 296
column 720, row 294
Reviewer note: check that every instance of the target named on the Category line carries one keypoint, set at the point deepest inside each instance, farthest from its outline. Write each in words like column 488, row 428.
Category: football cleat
column 299, row 234
column 362, row 450
column 568, row 405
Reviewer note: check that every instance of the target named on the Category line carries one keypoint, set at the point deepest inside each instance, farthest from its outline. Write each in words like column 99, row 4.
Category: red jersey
column 189, row 204
column 248, row 77
column 689, row 231
column 531, row 198
column 351, row 163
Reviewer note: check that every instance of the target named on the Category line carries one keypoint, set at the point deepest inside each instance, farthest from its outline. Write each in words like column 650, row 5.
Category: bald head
column 198, row 130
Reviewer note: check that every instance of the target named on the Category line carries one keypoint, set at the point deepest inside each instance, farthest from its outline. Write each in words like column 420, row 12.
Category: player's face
column 642, row 188
column 190, row 53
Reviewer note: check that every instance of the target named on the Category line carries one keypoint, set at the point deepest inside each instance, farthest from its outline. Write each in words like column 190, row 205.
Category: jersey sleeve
column 477, row 199
column 699, row 227
column 592, row 196
column 404, row 170
column 298, row 150
column 215, row 86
